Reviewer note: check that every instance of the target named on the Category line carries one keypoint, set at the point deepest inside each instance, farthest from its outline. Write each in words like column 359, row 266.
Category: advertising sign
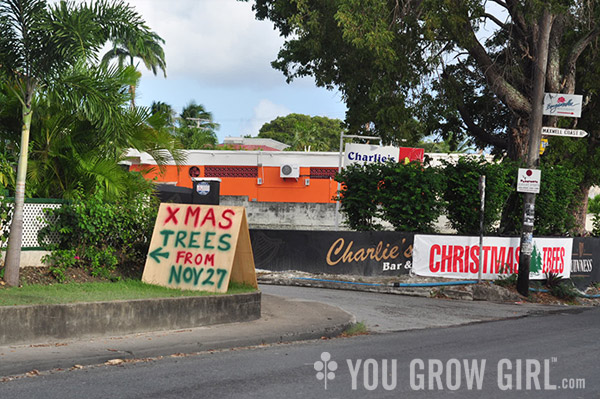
column 458, row 256
column 374, row 253
column 200, row 247
column 528, row 180
column 366, row 153
column 556, row 104
column 583, row 270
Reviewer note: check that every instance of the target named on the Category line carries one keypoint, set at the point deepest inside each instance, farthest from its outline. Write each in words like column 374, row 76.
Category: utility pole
column 533, row 155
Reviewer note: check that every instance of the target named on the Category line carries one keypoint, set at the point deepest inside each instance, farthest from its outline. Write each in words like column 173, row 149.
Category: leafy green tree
column 41, row 46
column 303, row 131
column 426, row 67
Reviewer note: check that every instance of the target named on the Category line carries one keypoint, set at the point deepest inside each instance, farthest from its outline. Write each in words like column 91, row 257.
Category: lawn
column 37, row 294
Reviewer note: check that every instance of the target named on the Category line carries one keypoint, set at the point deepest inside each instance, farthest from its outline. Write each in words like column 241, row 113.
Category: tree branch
column 479, row 133
column 507, row 93
column 501, row 24
column 553, row 77
column 568, row 85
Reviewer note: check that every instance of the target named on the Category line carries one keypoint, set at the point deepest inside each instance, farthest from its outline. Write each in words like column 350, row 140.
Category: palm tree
column 69, row 151
column 39, row 45
column 196, row 127
column 146, row 47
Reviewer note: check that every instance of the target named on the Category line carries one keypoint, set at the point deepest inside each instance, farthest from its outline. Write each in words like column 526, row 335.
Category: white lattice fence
column 33, row 216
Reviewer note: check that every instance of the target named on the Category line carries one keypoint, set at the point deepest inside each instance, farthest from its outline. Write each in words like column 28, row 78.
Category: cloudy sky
column 219, row 55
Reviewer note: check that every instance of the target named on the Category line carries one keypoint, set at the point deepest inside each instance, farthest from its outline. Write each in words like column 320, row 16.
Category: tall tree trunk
column 533, row 152
column 580, row 210
column 13, row 252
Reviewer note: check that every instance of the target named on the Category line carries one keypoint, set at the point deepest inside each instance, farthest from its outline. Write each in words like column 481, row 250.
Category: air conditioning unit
column 289, row 170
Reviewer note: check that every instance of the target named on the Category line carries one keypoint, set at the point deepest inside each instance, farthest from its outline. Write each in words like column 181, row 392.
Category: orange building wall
column 273, row 189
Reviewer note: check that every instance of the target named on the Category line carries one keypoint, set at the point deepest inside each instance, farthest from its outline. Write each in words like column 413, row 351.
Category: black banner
column 585, row 268
column 374, row 253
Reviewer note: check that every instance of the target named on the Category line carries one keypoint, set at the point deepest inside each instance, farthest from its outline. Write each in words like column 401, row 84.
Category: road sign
column 543, row 145
column 528, row 180
column 556, row 104
column 555, row 131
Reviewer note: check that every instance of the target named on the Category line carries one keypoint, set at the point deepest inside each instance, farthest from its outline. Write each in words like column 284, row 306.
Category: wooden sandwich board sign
column 200, row 247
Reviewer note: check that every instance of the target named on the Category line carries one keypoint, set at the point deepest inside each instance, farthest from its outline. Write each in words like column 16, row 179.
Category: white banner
column 366, row 153
column 458, row 257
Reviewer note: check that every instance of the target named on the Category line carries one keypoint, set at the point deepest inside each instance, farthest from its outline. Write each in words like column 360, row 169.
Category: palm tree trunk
column 13, row 252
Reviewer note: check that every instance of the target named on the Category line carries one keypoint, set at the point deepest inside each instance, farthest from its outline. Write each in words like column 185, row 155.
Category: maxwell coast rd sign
column 554, row 131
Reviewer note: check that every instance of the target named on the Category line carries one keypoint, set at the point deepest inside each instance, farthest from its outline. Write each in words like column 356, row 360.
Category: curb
column 44, row 323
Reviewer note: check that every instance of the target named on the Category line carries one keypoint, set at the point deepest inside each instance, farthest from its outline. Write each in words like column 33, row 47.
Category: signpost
column 528, row 180
column 557, row 104
column 200, row 247
column 555, row 131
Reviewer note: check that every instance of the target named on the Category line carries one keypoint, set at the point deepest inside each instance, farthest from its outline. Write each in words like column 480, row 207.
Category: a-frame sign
column 200, row 247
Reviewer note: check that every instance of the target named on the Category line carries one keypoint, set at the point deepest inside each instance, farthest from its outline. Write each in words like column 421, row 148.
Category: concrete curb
column 43, row 323
column 283, row 320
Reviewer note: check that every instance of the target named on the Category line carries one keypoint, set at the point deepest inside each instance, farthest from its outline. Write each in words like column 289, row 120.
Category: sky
column 219, row 55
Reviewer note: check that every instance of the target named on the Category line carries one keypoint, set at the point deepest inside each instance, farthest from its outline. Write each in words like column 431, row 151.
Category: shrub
column 359, row 196
column 409, row 195
column 463, row 198
column 104, row 235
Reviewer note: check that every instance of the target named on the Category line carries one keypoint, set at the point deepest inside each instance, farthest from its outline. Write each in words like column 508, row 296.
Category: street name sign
column 555, row 131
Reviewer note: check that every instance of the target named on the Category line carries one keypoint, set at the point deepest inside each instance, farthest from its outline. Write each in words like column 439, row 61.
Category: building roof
column 254, row 143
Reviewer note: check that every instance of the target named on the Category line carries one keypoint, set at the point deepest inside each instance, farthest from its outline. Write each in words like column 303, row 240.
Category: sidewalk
column 282, row 320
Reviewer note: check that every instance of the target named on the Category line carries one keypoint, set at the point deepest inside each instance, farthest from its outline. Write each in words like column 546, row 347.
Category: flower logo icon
column 561, row 100
column 325, row 368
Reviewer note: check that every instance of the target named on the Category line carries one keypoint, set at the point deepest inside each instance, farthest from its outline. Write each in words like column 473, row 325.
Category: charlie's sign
column 458, row 257
column 200, row 247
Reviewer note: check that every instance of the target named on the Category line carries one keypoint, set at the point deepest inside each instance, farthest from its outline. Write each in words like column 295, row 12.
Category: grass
column 356, row 329
column 98, row 292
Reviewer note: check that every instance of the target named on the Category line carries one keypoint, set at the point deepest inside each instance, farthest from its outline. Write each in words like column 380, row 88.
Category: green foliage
column 59, row 260
column 409, row 196
column 594, row 205
column 403, row 195
column 359, row 195
column 553, row 205
column 303, row 131
column 463, row 198
column 559, row 287
column 102, row 235
column 194, row 128
column 507, row 280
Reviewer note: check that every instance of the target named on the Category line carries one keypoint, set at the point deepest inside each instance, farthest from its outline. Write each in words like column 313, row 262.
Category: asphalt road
column 563, row 346
column 387, row 313
column 544, row 356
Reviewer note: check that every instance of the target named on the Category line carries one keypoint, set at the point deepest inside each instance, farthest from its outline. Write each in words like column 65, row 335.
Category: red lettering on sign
column 210, row 215
column 194, row 212
column 172, row 213
column 474, row 266
column 433, row 265
column 224, row 215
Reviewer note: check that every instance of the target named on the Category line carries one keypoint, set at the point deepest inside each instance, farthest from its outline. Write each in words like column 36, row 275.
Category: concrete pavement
column 283, row 320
